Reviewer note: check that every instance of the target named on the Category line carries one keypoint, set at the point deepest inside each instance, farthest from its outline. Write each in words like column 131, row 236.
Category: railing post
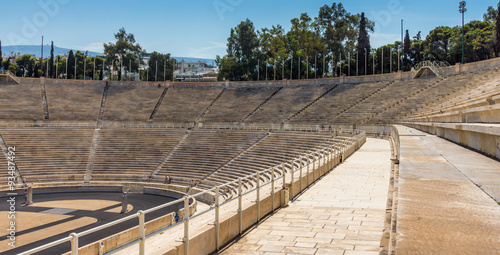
column 74, row 244
column 257, row 175
column 240, row 205
column 291, row 180
column 308, row 165
column 217, row 224
column 300, row 172
column 186, row 225
column 314, row 165
column 272, row 189
column 142, row 233
column 332, row 164
column 284, row 176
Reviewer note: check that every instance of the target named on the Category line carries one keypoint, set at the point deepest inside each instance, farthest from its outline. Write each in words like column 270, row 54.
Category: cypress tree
column 363, row 43
column 407, row 51
column 71, row 64
column 51, row 61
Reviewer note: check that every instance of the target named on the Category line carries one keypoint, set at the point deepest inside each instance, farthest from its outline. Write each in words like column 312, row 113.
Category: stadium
column 199, row 168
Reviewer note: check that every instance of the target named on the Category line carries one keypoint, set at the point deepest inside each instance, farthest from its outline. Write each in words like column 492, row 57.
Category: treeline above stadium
column 337, row 43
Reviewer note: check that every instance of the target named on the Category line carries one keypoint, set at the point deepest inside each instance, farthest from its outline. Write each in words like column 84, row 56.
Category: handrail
column 12, row 76
column 435, row 66
column 320, row 153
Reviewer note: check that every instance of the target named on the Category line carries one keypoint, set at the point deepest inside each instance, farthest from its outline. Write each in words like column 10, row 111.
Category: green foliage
column 124, row 51
column 497, row 31
column 363, row 44
column 479, row 42
column 51, row 61
column 242, row 54
column 1, row 55
column 437, row 44
column 26, row 63
column 160, row 67
column 71, row 65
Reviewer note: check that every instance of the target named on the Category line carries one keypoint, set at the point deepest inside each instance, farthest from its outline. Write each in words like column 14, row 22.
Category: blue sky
column 199, row 28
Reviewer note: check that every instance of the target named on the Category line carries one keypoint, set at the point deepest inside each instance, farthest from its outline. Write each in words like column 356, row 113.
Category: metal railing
column 317, row 159
column 435, row 66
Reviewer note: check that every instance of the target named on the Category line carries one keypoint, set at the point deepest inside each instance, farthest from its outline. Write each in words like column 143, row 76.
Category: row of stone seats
column 338, row 100
column 204, row 151
column 20, row 102
column 73, row 102
column 128, row 102
column 50, row 154
column 235, row 104
column 474, row 83
column 287, row 102
column 134, row 152
column 376, row 102
column 276, row 148
column 185, row 104
column 478, row 102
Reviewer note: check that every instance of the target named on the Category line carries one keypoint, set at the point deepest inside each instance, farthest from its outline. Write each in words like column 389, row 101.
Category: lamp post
column 462, row 10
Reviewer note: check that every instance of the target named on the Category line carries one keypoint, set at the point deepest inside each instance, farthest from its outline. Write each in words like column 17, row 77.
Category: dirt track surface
column 40, row 224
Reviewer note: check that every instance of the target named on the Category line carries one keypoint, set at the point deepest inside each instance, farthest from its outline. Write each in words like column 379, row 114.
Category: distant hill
column 36, row 50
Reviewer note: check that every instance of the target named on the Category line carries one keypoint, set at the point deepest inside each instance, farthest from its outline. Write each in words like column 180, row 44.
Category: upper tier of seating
column 287, row 102
column 476, row 100
column 235, row 104
column 21, row 102
column 75, row 102
column 129, row 103
column 185, row 104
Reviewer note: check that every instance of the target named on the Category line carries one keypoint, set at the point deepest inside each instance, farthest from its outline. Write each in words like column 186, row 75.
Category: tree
column 479, row 42
column 274, row 47
column 305, row 42
column 497, row 32
column 242, row 50
column 125, row 51
column 363, row 44
column 406, row 51
column 437, row 44
column 491, row 14
column 26, row 63
column 160, row 67
column 71, row 65
column 51, row 61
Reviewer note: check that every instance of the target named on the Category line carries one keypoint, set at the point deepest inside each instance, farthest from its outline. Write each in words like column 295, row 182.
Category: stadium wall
column 480, row 137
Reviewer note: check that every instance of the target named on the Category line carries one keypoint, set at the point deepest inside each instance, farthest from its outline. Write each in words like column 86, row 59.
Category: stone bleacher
column 131, row 154
column 340, row 99
column 22, row 102
column 287, row 102
column 75, row 102
column 235, row 104
column 205, row 151
column 185, row 104
column 130, row 103
column 274, row 149
column 50, row 154
column 472, row 102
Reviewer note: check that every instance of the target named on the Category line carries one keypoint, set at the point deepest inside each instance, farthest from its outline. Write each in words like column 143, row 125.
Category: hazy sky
column 199, row 28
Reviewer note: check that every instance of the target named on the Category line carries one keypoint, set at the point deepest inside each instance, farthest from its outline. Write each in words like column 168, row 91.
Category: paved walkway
column 343, row 213
column 446, row 198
